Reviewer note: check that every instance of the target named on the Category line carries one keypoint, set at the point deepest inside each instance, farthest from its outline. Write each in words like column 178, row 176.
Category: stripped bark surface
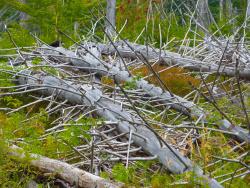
column 91, row 59
column 171, row 58
column 143, row 136
column 68, row 173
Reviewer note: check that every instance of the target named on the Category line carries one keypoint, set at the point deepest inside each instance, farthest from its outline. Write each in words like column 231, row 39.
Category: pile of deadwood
column 132, row 126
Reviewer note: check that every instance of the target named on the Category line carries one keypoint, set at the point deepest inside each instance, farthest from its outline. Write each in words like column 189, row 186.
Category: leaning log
column 111, row 111
column 64, row 171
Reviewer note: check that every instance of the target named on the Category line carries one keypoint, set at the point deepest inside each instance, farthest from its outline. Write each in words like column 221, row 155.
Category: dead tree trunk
column 203, row 13
column 187, row 62
column 143, row 136
column 221, row 9
column 90, row 60
column 175, row 102
column 226, row 9
column 23, row 16
column 111, row 17
column 72, row 175
column 248, row 8
column 171, row 58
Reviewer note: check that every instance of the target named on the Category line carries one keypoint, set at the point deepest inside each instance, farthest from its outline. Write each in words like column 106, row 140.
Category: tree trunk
column 221, row 9
column 143, row 136
column 23, row 16
column 111, row 17
column 172, row 58
column 174, row 101
column 88, row 62
column 203, row 13
column 248, row 8
column 226, row 9
column 66, row 172
column 229, row 8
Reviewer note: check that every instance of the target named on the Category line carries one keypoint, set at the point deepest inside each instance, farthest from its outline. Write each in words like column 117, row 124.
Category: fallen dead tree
column 90, row 59
column 108, row 109
column 68, row 173
column 171, row 58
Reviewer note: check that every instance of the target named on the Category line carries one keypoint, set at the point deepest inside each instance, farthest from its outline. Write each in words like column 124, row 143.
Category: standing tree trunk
column 226, row 9
column 203, row 13
column 111, row 17
column 248, row 8
column 221, row 9
column 23, row 16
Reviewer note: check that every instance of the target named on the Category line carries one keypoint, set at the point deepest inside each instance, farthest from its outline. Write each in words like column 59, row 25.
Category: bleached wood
column 111, row 17
column 66, row 172
column 171, row 58
column 176, row 102
column 203, row 13
column 187, row 62
column 144, row 137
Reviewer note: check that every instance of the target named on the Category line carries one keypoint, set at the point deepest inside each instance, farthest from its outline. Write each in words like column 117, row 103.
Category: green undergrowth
column 232, row 109
column 13, row 174
column 140, row 174
column 45, row 20
column 143, row 174
column 56, row 145
column 146, row 174
column 26, row 128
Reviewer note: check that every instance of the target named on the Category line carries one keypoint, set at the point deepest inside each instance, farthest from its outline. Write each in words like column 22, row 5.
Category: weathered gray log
column 174, row 101
column 144, row 137
column 70, row 174
column 240, row 133
column 186, row 62
column 88, row 60
column 171, row 58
